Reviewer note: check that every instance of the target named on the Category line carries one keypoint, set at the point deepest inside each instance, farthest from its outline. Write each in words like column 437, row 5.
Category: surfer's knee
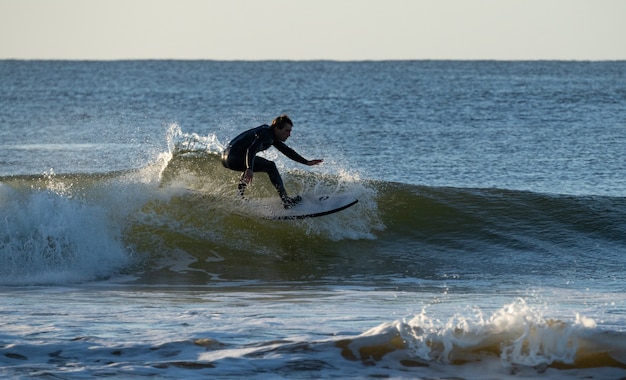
column 225, row 155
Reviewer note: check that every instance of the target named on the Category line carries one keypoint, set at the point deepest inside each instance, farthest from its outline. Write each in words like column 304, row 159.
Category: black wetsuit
column 240, row 155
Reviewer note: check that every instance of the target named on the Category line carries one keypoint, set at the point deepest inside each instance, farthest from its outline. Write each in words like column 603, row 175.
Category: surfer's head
column 282, row 127
column 281, row 121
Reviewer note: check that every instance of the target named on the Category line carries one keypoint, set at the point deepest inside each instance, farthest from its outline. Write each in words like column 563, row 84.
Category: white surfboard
column 310, row 206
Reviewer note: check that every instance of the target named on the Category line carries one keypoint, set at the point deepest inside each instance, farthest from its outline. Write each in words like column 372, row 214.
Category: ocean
column 489, row 240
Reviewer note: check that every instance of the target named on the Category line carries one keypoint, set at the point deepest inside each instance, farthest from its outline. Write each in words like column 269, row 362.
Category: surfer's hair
column 281, row 121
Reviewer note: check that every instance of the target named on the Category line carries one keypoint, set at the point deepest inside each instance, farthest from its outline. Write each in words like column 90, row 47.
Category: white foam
column 49, row 237
column 516, row 340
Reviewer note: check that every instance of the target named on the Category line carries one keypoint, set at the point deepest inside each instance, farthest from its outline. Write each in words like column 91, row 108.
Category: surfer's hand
column 247, row 176
column 314, row 162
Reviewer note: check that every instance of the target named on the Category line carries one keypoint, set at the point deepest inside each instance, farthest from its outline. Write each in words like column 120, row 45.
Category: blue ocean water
column 488, row 241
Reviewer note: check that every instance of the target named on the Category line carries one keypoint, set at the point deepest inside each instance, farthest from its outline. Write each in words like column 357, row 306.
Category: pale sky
column 313, row 29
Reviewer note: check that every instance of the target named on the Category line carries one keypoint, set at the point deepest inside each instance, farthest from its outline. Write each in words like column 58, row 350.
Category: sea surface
column 489, row 241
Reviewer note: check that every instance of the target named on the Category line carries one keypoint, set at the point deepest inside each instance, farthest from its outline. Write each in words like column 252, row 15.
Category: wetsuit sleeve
column 287, row 151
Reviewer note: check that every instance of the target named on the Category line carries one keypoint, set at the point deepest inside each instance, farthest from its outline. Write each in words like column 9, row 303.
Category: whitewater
column 488, row 241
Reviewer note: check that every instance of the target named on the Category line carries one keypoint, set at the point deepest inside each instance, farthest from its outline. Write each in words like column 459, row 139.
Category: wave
column 182, row 215
column 517, row 336
column 515, row 341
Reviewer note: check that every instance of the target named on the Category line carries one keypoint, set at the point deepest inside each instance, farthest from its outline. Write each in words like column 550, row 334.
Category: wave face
column 76, row 227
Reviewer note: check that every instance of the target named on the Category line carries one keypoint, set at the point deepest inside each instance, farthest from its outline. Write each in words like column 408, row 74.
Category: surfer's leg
column 263, row 165
column 269, row 167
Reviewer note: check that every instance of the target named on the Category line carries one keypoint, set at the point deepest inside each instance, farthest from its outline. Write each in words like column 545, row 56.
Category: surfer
column 240, row 155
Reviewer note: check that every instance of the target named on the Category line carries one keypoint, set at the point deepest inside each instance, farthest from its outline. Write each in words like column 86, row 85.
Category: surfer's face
column 283, row 134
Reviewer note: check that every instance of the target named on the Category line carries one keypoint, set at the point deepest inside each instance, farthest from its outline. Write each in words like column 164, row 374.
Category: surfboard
column 311, row 206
